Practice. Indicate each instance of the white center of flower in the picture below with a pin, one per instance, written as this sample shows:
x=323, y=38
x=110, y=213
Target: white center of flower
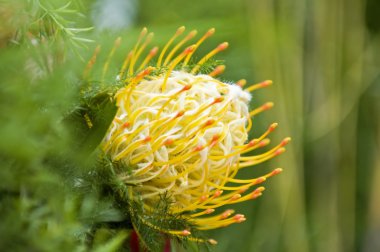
x=178, y=139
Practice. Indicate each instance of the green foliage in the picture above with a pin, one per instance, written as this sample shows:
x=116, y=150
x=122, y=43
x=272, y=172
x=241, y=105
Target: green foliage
x=43, y=155
x=116, y=240
x=90, y=120
x=51, y=20
x=33, y=22
x=37, y=213
x=58, y=192
x=45, y=159
x=149, y=225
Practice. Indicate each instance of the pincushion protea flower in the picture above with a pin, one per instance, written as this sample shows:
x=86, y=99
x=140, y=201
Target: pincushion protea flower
x=185, y=134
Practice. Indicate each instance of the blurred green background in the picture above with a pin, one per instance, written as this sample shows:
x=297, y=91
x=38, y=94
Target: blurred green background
x=324, y=59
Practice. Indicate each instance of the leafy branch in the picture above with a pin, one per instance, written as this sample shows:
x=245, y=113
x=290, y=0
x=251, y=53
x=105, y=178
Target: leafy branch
x=41, y=21
x=51, y=17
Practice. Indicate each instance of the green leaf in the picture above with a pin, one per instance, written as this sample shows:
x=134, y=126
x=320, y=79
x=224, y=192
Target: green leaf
x=76, y=30
x=83, y=39
x=114, y=244
x=90, y=122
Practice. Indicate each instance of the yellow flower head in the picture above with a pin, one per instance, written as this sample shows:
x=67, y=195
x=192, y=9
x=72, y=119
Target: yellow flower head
x=185, y=134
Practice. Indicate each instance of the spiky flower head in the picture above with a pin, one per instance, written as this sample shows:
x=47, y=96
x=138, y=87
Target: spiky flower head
x=184, y=133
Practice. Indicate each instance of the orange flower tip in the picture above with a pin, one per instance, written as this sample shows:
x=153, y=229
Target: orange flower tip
x=259, y=189
x=180, y=30
x=222, y=46
x=218, y=193
x=186, y=87
x=209, y=211
x=168, y=141
x=285, y=141
x=153, y=51
x=125, y=125
x=144, y=72
x=147, y=139
x=268, y=105
x=266, y=83
x=199, y=148
x=186, y=232
x=180, y=113
x=242, y=190
x=189, y=49
x=212, y=241
x=264, y=142
x=255, y=195
x=143, y=32
x=226, y=214
x=192, y=34
x=239, y=218
x=241, y=82
x=276, y=171
x=210, y=32
x=203, y=198
x=273, y=126
x=218, y=99
x=118, y=41
x=215, y=137
x=209, y=122
x=236, y=197
x=257, y=192
x=260, y=180
x=252, y=143
x=218, y=70
x=279, y=151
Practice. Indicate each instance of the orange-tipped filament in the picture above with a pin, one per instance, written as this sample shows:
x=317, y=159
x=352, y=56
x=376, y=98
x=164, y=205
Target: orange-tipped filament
x=262, y=108
x=112, y=52
x=241, y=83
x=218, y=49
x=162, y=54
x=217, y=71
x=259, y=85
x=175, y=49
x=199, y=42
x=91, y=62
